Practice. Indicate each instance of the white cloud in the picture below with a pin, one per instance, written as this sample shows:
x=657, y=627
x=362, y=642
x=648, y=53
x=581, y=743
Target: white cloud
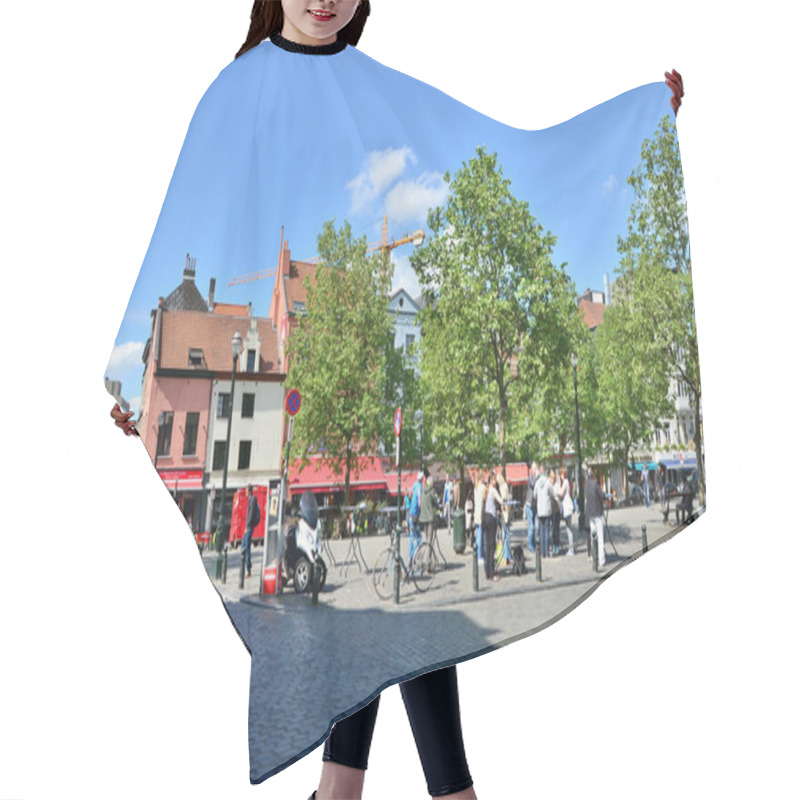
x=409, y=201
x=382, y=169
x=125, y=356
x=134, y=403
x=610, y=184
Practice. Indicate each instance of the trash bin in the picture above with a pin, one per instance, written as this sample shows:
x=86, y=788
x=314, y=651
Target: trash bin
x=459, y=531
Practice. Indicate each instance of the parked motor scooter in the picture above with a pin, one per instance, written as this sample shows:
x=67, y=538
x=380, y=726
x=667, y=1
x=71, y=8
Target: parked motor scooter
x=303, y=546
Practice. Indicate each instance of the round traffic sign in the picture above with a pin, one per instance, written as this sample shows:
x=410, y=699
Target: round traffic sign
x=293, y=402
x=398, y=422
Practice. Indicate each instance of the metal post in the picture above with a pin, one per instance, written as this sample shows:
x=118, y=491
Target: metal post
x=225, y=564
x=241, y=570
x=475, y=567
x=396, y=543
x=315, y=576
x=282, y=505
x=581, y=515
x=644, y=538
x=218, y=543
x=595, y=554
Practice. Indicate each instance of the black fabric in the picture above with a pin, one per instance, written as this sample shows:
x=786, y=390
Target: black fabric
x=433, y=710
x=308, y=49
x=489, y=531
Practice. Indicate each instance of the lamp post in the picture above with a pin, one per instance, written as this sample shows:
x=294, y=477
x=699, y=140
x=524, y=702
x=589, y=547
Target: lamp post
x=236, y=350
x=418, y=420
x=581, y=516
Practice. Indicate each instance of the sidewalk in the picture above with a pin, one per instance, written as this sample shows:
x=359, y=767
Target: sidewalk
x=349, y=585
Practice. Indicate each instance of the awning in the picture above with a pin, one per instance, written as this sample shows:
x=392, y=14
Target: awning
x=639, y=465
x=182, y=480
x=407, y=481
x=676, y=463
x=319, y=478
x=517, y=474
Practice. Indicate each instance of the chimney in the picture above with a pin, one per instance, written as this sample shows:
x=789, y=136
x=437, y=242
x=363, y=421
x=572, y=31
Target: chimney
x=211, y=286
x=607, y=289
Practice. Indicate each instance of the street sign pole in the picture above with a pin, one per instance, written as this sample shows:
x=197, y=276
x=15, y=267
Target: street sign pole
x=398, y=426
x=282, y=504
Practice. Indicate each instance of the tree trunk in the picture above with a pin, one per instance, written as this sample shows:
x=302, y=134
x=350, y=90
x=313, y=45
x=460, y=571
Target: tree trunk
x=698, y=445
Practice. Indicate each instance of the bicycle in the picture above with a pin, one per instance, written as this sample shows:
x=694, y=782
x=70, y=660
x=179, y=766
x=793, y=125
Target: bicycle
x=424, y=566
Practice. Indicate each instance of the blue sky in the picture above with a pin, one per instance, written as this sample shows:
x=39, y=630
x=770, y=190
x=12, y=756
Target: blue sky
x=372, y=141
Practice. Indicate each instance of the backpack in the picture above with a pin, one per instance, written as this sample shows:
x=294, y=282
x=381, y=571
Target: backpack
x=518, y=557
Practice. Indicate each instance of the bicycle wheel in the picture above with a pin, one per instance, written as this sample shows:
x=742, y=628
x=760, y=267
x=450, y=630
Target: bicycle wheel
x=424, y=567
x=383, y=574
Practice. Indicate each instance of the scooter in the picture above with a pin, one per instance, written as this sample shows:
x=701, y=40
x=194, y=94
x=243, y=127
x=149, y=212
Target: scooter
x=303, y=547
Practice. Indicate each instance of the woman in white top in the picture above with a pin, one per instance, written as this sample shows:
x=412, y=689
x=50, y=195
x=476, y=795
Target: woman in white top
x=564, y=496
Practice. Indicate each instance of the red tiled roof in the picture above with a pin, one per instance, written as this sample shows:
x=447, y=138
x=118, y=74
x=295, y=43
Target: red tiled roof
x=231, y=310
x=592, y=313
x=318, y=477
x=183, y=330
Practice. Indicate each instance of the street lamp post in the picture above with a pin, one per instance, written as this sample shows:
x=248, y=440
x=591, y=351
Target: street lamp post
x=236, y=350
x=581, y=516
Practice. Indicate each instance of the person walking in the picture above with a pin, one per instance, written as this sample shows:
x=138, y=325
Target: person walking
x=492, y=511
x=661, y=490
x=564, y=496
x=530, y=507
x=555, y=522
x=413, y=517
x=251, y=521
x=505, y=493
x=428, y=505
x=646, y=484
x=480, y=500
x=447, y=500
x=594, y=511
x=545, y=497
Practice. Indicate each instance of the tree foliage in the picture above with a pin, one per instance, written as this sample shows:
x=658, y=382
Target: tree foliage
x=654, y=301
x=339, y=355
x=499, y=316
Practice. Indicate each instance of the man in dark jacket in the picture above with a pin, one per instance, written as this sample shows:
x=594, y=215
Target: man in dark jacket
x=594, y=511
x=251, y=521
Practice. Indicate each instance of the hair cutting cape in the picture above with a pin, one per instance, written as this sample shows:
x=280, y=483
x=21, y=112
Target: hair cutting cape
x=538, y=246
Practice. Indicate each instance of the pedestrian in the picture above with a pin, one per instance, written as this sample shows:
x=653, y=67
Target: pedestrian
x=492, y=510
x=564, y=496
x=456, y=492
x=545, y=497
x=555, y=522
x=447, y=500
x=661, y=489
x=594, y=511
x=415, y=536
x=480, y=501
x=428, y=508
x=251, y=522
x=646, y=484
x=505, y=493
x=469, y=517
x=530, y=506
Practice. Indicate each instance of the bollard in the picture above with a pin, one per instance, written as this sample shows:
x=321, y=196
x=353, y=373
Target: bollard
x=241, y=572
x=225, y=565
x=475, y=568
x=644, y=538
x=594, y=552
x=539, y=559
x=315, y=583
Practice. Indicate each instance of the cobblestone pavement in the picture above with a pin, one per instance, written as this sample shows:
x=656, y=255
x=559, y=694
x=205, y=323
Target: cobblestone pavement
x=312, y=664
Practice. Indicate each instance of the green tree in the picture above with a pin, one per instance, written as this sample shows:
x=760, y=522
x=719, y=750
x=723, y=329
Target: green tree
x=656, y=268
x=338, y=354
x=499, y=316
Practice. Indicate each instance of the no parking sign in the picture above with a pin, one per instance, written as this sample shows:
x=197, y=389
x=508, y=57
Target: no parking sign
x=293, y=402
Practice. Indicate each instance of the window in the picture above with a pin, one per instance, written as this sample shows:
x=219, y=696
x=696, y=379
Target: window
x=218, y=462
x=299, y=307
x=223, y=405
x=244, y=455
x=248, y=405
x=164, y=433
x=667, y=436
x=409, y=341
x=251, y=360
x=190, y=433
x=196, y=357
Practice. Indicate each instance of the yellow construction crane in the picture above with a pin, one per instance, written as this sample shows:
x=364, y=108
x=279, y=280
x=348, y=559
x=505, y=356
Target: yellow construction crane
x=417, y=238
